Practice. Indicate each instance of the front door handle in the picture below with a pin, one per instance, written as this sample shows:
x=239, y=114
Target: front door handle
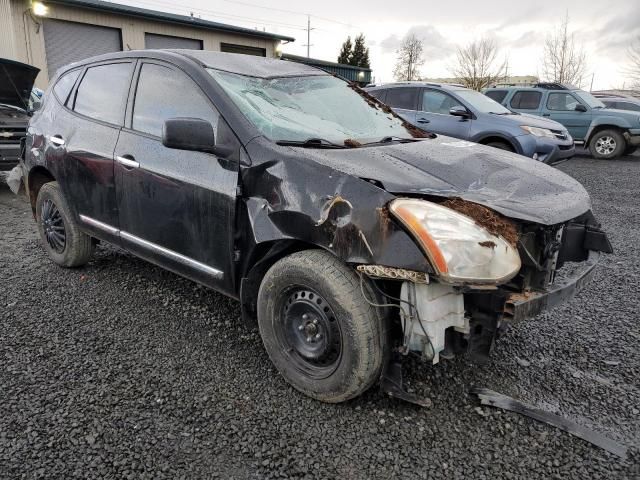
x=546, y=114
x=127, y=162
x=423, y=120
x=56, y=140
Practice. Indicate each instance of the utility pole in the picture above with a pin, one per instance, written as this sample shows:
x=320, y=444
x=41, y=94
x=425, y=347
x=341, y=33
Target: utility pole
x=308, y=44
x=592, y=76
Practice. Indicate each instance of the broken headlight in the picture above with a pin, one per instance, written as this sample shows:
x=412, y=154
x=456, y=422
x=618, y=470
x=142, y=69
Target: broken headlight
x=458, y=248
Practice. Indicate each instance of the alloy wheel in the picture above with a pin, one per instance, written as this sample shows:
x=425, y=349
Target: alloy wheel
x=53, y=226
x=606, y=145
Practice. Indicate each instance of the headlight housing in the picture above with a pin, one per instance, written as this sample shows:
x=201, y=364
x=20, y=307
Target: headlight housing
x=538, y=132
x=460, y=250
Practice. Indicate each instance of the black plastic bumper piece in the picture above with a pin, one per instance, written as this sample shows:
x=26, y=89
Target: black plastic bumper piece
x=520, y=306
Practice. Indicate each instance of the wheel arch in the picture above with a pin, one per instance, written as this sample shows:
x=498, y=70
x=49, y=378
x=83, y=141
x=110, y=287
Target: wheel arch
x=36, y=178
x=261, y=259
x=599, y=128
x=496, y=137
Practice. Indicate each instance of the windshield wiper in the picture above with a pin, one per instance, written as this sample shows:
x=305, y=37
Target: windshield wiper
x=390, y=139
x=311, y=143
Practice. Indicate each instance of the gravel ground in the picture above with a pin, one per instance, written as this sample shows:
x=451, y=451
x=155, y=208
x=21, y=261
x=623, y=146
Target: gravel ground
x=123, y=370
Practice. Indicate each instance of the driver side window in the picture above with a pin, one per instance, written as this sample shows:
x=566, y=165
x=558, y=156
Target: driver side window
x=434, y=101
x=164, y=93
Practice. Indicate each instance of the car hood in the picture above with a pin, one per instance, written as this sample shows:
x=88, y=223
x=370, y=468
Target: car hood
x=530, y=120
x=614, y=112
x=516, y=186
x=16, y=82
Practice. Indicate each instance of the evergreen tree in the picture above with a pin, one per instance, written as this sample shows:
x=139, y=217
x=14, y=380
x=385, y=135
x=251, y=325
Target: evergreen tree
x=346, y=52
x=360, y=55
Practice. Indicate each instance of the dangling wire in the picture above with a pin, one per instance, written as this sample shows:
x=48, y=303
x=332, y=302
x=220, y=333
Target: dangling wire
x=403, y=313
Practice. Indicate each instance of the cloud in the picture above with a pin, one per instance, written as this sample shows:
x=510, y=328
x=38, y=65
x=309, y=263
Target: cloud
x=436, y=45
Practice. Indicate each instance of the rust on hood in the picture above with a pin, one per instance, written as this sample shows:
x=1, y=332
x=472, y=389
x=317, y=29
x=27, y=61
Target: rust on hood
x=487, y=218
x=350, y=142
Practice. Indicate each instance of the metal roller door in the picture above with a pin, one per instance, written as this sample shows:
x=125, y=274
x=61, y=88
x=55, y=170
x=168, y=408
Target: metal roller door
x=153, y=40
x=67, y=42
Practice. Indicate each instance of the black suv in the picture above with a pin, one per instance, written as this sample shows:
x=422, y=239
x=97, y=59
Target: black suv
x=349, y=237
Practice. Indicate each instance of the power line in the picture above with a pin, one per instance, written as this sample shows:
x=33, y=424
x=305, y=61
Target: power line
x=210, y=13
x=247, y=4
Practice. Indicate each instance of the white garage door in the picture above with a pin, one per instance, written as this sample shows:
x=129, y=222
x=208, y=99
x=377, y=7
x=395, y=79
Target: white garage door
x=153, y=40
x=67, y=42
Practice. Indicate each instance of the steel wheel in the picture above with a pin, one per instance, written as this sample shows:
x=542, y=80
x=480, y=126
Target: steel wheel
x=606, y=145
x=309, y=333
x=53, y=225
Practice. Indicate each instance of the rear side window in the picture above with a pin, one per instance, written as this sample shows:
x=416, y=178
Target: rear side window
x=102, y=92
x=497, y=95
x=165, y=93
x=406, y=98
x=627, y=106
x=379, y=94
x=64, y=85
x=434, y=101
x=561, y=101
x=524, y=100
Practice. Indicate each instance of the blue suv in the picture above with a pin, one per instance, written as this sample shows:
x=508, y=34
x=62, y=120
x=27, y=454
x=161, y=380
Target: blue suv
x=609, y=133
x=459, y=112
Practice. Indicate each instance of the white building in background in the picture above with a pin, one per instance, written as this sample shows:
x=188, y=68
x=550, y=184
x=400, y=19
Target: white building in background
x=51, y=33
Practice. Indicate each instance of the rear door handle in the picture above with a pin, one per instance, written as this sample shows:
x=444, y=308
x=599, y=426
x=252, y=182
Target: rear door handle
x=128, y=162
x=56, y=140
x=423, y=120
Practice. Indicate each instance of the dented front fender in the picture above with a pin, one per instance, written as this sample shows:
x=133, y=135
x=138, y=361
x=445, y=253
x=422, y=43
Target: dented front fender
x=290, y=198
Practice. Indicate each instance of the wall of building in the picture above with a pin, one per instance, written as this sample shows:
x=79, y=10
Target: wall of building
x=30, y=48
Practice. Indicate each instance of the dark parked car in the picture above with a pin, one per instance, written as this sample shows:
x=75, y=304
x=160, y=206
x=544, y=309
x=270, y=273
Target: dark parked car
x=16, y=82
x=607, y=132
x=347, y=237
x=620, y=102
x=469, y=115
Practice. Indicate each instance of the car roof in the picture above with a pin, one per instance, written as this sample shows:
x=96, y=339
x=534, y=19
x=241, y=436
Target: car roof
x=249, y=65
x=537, y=88
x=444, y=86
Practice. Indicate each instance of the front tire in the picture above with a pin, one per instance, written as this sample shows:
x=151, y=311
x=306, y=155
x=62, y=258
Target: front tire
x=500, y=146
x=318, y=329
x=61, y=237
x=607, y=145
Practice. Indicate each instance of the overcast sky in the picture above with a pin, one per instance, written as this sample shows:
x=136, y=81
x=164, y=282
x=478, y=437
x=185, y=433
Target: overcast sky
x=605, y=29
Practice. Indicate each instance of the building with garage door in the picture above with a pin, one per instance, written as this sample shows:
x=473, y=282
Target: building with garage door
x=52, y=33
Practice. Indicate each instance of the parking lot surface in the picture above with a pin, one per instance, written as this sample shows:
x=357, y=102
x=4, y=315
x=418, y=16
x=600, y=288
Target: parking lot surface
x=123, y=370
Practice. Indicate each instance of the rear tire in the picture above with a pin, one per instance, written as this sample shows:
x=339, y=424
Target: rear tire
x=607, y=145
x=500, y=146
x=61, y=237
x=318, y=329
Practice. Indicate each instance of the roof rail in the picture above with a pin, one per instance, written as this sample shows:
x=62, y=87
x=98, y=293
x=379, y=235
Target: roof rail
x=553, y=86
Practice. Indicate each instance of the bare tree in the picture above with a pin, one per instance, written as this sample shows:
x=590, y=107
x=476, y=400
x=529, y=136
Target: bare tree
x=477, y=65
x=634, y=61
x=410, y=59
x=563, y=60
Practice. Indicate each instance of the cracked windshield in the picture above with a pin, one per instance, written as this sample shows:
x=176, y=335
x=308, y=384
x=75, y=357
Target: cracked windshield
x=299, y=108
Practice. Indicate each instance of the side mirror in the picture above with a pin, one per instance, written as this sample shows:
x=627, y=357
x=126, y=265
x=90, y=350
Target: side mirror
x=459, y=111
x=192, y=134
x=580, y=108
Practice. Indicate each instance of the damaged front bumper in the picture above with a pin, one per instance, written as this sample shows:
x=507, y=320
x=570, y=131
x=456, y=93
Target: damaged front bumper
x=520, y=306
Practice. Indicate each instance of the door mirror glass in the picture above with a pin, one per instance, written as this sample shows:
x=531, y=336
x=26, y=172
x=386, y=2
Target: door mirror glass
x=459, y=111
x=188, y=134
x=580, y=108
